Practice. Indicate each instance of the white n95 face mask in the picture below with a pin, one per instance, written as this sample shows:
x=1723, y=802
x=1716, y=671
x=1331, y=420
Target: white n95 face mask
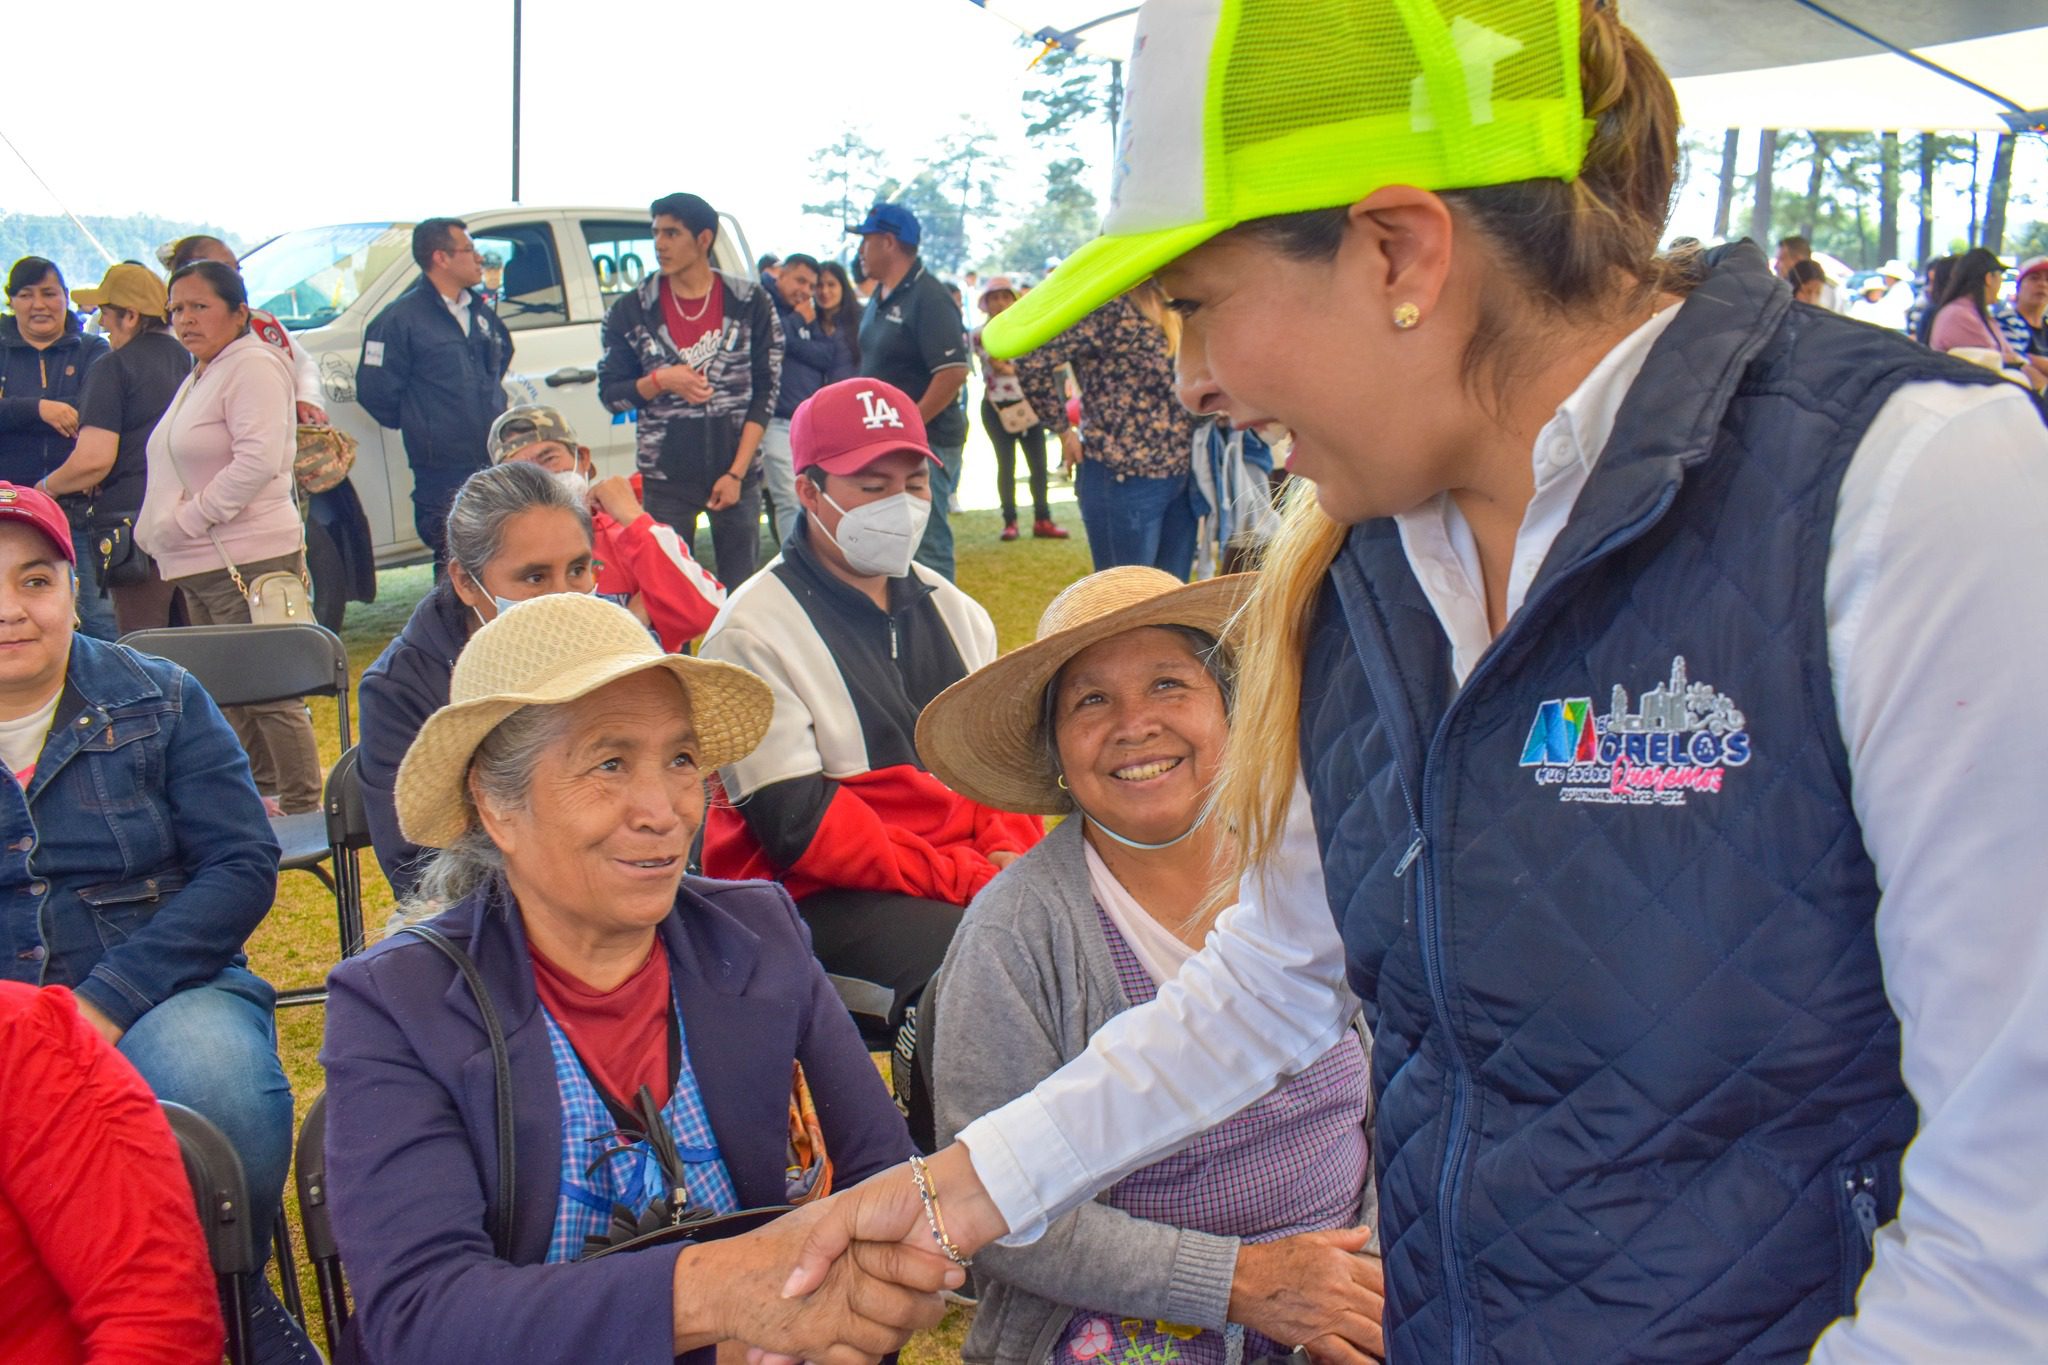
x=881, y=537
x=574, y=481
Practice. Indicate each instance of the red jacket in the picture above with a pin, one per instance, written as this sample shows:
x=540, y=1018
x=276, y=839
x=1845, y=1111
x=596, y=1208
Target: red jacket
x=101, y=1257
x=650, y=559
x=895, y=829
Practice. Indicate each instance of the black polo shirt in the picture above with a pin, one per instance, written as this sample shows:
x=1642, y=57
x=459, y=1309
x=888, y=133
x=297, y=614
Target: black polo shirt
x=907, y=336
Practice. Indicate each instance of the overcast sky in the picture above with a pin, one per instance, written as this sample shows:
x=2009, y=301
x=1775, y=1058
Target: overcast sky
x=282, y=113
x=273, y=114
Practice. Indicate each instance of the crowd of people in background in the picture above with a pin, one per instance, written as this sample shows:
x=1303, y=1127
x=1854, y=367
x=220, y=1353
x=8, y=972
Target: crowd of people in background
x=647, y=817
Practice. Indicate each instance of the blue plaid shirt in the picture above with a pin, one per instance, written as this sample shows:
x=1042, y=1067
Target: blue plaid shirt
x=584, y=1206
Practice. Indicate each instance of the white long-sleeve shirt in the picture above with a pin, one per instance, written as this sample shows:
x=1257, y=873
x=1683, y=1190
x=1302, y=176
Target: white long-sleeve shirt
x=1937, y=628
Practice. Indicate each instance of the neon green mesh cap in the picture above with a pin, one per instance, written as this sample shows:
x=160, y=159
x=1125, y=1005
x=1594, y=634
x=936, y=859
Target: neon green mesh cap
x=1238, y=109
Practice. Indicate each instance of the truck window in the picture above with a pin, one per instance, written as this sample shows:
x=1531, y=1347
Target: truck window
x=309, y=277
x=522, y=275
x=623, y=255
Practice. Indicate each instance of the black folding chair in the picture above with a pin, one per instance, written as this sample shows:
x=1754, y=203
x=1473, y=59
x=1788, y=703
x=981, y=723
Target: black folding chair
x=221, y=1194
x=348, y=834
x=247, y=665
x=310, y=1169
x=870, y=1005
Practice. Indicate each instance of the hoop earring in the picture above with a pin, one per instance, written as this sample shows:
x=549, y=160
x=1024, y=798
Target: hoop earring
x=1406, y=316
x=1060, y=781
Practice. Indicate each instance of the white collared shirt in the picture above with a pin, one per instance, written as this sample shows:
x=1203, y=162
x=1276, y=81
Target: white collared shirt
x=458, y=308
x=1937, y=627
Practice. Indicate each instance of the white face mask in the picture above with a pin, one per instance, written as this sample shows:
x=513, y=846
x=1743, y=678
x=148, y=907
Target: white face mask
x=880, y=537
x=575, y=481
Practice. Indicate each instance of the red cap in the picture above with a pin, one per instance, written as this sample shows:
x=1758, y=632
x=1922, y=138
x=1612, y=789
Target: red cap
x=845, y=427
x=41, y=511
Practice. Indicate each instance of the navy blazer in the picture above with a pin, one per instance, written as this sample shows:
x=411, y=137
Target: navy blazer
x=411, y=1126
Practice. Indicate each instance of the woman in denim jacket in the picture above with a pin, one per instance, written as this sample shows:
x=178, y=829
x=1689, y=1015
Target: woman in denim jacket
x=135, y=859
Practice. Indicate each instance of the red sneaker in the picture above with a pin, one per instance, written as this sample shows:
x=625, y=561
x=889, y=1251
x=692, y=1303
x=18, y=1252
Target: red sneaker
x=1048, y=530
x=1010, y=531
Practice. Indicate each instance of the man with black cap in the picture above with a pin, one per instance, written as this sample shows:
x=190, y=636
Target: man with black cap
x=912, y=336
x=699, y=353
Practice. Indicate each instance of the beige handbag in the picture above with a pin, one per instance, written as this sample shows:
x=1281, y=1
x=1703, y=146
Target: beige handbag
x=278, y=598
x=1017, y=418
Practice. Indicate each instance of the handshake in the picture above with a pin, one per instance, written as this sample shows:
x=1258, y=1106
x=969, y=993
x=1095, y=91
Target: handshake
x=867, y=1276
x=868, y=1271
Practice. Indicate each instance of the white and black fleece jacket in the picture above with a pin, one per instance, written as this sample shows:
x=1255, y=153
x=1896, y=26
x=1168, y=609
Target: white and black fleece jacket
x=682, y=444
x=835, y=796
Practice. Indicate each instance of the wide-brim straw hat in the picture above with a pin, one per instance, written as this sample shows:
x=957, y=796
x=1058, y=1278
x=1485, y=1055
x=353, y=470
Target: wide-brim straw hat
x=983, y=735
x=543, y=652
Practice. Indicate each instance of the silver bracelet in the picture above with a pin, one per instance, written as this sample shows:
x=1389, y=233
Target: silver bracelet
x=932, y=1219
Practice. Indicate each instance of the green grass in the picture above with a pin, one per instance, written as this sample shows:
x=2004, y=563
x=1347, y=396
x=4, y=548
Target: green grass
x=298, y=942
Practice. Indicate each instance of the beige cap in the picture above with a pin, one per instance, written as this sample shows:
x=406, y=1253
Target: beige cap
x=543, y=652
x=127, y=286
x=981, y=736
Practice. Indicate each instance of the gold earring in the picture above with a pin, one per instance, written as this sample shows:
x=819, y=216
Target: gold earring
x=1406, y=316
x=1060, y=781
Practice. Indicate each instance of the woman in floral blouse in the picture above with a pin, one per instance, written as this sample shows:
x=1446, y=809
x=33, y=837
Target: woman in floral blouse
x=1133, y=443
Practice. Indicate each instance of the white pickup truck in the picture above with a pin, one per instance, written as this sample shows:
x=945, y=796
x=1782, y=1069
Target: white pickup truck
x=553, y=271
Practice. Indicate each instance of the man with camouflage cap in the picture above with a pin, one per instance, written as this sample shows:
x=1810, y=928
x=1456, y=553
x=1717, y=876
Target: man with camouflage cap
x=642, y=563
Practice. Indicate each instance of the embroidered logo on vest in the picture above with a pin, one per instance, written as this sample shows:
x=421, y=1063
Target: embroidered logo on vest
x=1682, y=737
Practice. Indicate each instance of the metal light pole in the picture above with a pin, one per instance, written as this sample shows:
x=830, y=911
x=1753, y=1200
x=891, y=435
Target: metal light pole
x=515, y=100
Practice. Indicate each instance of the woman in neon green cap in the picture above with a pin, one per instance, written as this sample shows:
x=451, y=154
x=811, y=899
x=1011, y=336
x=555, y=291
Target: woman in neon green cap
x=1625, y=721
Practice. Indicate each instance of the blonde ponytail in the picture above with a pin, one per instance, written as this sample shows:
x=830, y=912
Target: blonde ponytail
x=1270, y=644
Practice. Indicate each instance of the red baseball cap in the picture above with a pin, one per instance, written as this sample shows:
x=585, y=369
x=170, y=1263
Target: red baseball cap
x=41, y=511
x=845, y=427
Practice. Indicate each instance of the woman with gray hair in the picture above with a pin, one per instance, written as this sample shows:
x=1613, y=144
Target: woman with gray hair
x=567, y=1118
x=514, y=532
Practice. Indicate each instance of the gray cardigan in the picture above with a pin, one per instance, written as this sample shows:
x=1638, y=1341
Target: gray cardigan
x=1027, y=981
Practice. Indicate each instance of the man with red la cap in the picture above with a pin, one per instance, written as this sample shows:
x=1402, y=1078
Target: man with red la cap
x=854, y=639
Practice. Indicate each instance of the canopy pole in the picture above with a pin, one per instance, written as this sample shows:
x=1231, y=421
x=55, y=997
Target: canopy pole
x=515, y=100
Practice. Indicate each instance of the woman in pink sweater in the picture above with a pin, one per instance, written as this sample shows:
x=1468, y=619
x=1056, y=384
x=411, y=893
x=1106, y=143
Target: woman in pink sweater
x=219, y=502
x=1963, y=317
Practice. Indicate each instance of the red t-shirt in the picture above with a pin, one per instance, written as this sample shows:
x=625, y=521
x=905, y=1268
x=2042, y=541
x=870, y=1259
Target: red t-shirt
x=695, y=326
x=101, y=1257
x=621, y=1034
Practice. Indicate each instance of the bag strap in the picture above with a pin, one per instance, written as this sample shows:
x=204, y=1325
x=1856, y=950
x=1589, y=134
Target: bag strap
x=234, y=574
x=501, y=1066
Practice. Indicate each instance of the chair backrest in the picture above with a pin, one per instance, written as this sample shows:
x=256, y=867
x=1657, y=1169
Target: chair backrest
x=310, y=1170
x=244, y=665
x=220, y=1191
x=870, y=1005
x=348, y=819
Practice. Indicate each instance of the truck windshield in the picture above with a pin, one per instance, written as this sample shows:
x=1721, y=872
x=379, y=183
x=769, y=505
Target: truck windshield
x=308, y=277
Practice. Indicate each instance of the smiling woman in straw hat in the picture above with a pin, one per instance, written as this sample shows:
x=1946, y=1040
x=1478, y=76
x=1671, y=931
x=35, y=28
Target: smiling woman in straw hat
x=587, y=1042
x=1623, y=696
x=1119, y=715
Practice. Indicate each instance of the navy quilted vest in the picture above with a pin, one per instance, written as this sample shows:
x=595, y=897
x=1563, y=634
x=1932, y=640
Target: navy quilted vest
x=1608, y=904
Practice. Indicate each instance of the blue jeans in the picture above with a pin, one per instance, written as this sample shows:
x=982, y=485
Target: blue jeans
x=213, y=1048
x=1136, y=520
x=778, y=477
x=95, y=613
x=935, y=552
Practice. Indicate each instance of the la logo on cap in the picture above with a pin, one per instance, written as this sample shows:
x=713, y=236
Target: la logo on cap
x=880, y=412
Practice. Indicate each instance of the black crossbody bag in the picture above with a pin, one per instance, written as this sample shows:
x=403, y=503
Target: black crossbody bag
x=659, y=1225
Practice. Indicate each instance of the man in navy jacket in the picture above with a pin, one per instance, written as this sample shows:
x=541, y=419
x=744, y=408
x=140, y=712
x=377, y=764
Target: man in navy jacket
x=808, y=355
x=433, y=366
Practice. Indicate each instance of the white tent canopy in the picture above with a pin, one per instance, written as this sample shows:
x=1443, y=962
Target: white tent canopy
x=1761, y=63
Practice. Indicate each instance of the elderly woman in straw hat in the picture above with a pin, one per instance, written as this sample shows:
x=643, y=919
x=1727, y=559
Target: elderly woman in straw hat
x=1118, y=716
x=587, y=1043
